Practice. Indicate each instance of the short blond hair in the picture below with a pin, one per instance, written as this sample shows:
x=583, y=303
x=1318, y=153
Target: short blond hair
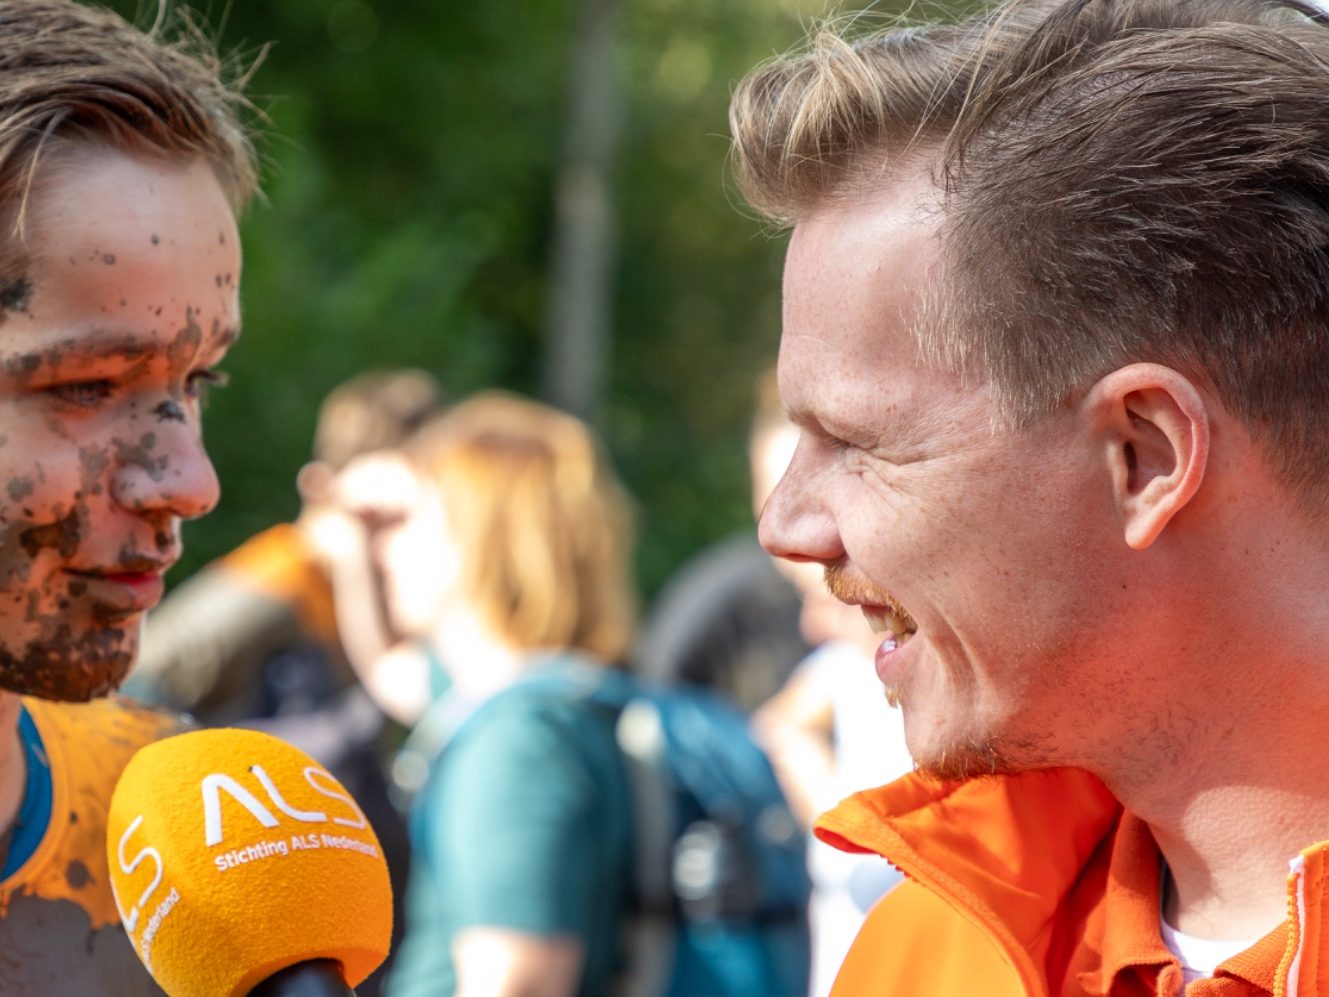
x=542, y=523
x=1119, y=181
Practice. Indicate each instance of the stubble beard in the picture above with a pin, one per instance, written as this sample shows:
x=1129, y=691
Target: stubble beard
x=965, y=759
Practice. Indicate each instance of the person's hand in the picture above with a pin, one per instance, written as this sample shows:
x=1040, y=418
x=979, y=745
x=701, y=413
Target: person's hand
x=376, y=488
x=333, y=535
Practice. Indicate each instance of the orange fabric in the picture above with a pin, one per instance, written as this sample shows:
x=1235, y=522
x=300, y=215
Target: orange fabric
x=277, y=563
x=87, y=744
x=1313, y=969
x=1038, y=884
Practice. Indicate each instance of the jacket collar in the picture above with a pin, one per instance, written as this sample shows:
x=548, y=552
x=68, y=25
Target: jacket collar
x=1006, y=851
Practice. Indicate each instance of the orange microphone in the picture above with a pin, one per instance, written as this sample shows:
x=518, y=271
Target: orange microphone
x=241, y=866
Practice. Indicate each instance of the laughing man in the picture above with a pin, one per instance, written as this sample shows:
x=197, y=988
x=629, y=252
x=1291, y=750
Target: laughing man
x=1056, y=333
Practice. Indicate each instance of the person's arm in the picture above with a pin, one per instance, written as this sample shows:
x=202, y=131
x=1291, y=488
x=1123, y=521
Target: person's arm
x=498, y=962
x=520, y=843
x=794, y=727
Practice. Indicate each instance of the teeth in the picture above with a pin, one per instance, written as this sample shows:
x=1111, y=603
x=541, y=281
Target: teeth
x=884, y=620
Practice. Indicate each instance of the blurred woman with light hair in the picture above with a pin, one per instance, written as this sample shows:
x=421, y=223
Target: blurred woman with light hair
x=504, y=539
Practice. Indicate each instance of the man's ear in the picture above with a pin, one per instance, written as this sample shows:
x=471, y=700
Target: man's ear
x=1154, y=427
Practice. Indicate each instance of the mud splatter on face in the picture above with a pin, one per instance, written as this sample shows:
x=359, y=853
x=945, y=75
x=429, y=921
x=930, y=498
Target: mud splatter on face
x=156, y=239
x=169, y=411
x=16, y=295
x=19, y=488
x=63, y=536
x=108, y=259
x=93, y=462
x=140, y=453
x=184, y=347
x=22, y=367
x=72, y=668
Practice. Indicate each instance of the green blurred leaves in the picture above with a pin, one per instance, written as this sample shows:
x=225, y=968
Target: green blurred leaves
x=409, y=171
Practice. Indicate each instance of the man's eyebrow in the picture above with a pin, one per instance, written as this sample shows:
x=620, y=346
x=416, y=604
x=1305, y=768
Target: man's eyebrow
x=106, y=343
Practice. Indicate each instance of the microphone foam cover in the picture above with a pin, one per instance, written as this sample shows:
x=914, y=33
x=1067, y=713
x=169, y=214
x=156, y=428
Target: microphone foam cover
x=234, y=855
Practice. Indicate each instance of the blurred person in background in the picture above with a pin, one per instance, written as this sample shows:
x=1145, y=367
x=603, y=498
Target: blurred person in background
x=254, y=633
x=829, y=731
x=726, y=620
x=124, y=161
x=504, y=538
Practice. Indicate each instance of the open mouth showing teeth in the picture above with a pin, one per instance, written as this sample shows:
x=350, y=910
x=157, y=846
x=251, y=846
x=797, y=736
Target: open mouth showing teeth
x=895, y=624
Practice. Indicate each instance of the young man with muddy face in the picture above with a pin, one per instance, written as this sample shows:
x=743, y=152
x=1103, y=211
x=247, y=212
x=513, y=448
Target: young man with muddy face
x=122, y=165
x=1056, y=333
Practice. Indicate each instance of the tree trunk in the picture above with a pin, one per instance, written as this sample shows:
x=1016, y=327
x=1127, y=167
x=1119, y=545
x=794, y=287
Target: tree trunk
x=578, y=341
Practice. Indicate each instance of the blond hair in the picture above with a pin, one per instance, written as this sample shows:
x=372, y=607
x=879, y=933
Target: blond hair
x=542, y=524
x=77, y=74
x=1120, y=180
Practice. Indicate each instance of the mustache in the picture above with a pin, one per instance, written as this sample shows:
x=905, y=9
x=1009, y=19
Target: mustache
x=853, y=589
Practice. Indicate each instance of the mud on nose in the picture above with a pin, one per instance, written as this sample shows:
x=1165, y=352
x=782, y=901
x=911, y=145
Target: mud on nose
x=167, y=470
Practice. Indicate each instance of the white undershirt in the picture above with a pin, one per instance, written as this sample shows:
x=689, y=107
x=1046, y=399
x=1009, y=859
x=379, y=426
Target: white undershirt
x=1199, y=957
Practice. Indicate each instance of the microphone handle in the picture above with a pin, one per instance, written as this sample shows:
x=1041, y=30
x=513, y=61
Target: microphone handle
x=315, y=978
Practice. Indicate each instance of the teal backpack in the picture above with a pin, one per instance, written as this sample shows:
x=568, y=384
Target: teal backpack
x=720, y=892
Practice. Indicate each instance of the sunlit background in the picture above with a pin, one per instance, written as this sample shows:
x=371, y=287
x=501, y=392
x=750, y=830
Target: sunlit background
x=529, y=195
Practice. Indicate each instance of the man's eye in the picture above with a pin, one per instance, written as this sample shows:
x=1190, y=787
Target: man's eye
x=82, y=393
x=202, y=382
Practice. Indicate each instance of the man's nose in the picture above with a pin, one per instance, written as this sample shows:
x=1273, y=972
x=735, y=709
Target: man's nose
x=165, y=470
x=797, y=522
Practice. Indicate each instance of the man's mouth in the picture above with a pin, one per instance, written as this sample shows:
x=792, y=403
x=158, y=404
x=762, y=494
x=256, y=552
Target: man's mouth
x=127, y=587
x=896, y=626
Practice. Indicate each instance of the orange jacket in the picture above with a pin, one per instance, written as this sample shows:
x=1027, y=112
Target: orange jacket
x=1040, y=884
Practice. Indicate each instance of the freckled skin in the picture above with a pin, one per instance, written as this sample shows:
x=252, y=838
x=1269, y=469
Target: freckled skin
x=99, y=374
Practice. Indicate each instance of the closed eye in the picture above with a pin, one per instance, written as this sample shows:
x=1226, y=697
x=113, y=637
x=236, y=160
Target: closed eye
x=83, y=394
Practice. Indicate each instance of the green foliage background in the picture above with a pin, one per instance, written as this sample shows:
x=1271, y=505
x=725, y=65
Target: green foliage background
x=407, y=219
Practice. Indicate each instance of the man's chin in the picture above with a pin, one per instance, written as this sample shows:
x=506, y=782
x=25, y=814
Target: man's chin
x=963, y=761
x=69, y=669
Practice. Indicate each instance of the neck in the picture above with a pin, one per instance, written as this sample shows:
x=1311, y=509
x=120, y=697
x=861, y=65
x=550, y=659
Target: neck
x=1240, y=800
x=479, y=661
x=1221, y=760
x=13, y=767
